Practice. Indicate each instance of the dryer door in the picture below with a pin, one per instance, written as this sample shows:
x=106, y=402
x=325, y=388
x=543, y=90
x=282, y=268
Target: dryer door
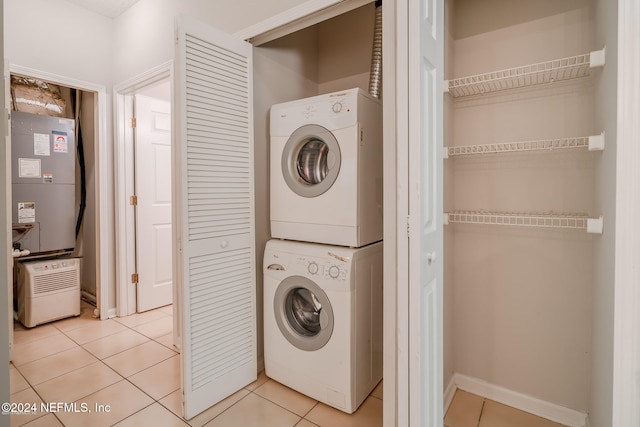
x=303, y=313
x=311, y=160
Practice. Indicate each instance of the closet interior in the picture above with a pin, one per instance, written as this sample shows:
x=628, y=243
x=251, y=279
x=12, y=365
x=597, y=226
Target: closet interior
x=332, y=55
x=529, y=184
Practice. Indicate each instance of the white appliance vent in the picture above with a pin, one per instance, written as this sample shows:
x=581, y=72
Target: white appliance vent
x=55, y=281
x=47, y=290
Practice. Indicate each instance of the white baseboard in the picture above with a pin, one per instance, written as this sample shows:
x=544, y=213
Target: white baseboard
x=449, y=392
x=541, y=408
x=88, y=297
x=111, y=313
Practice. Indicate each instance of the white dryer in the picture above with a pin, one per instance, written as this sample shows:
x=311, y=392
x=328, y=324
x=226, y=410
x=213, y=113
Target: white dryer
x=323, y=320
x=326, y=169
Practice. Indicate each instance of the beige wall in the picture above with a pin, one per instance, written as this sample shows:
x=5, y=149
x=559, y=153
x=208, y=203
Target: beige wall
x=521, y=299
x=89, y=231
x=60, y=38
x=143, y=35
x=344, y=50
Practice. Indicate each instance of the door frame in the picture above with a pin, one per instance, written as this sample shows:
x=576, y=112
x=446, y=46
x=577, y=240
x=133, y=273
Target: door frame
x=103, y=229
x=626, y=310
x=124, y=183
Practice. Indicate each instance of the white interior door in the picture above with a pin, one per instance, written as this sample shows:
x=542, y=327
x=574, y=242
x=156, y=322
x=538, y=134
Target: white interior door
x=214, y=213
x=426, y=18
x=153, y=211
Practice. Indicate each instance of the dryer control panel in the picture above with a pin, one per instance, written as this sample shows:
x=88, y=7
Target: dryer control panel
x=333, y=111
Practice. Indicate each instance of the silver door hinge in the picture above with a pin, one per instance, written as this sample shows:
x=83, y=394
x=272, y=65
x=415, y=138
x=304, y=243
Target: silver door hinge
x=408, y=226
x=134, y=278
x=134, y=122
x=133, y=200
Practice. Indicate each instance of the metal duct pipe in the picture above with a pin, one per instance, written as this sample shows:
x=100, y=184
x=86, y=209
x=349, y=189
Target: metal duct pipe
x=375, y=77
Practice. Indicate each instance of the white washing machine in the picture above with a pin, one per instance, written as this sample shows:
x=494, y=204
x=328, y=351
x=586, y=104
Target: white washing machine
x=323, y=320
x=326, y=169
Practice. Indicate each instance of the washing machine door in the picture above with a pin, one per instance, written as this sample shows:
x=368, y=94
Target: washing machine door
x=311, y=160
x=303, y=313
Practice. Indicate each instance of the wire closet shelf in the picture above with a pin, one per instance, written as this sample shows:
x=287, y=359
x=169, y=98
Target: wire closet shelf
x=568, y=68
x=592, y=143
x=521, y=219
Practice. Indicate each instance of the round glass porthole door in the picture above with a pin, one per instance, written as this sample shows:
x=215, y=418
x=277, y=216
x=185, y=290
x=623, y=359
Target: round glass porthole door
x=303, y=313
x=311, y=160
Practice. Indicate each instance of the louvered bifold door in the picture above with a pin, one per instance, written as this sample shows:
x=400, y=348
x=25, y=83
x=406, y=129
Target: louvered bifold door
x=214, y=207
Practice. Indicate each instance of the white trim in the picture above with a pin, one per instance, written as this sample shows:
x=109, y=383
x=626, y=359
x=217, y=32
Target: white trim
x=124, y=252
x=297, y=18
x=449, y=393
x=397, y=224
x=390, y=183
x=123, y=179
x=141, y=81
x=88, y=297
x=103, y=205
x=535, y=406
x=626, y=344
x=103, y=281
x=55, y=78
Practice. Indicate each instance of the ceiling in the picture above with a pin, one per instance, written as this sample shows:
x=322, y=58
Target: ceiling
x=109, y=8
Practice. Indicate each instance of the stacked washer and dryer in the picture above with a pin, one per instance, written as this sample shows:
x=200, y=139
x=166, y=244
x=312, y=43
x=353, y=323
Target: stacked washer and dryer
x=323, y=270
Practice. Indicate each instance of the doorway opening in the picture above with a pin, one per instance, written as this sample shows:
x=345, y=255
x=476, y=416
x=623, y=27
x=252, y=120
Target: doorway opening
x=143, y=195
x=38, y=97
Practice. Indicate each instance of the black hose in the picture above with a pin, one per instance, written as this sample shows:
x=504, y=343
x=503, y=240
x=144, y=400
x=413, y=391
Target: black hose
x=83, y=178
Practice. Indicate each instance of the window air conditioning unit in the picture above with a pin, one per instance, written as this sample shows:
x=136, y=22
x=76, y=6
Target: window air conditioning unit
x=48, y=290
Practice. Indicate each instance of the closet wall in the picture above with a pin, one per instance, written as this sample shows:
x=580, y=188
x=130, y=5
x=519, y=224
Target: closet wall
x=520, y=301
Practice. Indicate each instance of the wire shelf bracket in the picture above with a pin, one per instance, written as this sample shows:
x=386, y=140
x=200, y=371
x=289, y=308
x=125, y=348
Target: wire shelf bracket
x=540, y=220
x=528, y=75
x=593, y=143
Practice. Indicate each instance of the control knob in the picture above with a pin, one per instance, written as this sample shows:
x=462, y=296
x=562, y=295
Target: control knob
x=337, y=107
x=334, y=272
x=312, y=267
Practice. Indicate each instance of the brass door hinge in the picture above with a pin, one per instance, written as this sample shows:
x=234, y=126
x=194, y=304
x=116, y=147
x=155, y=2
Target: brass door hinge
x=133, y=200
x=134, y=278
x=133, y=122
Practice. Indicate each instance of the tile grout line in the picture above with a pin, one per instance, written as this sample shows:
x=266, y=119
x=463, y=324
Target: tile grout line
x=226, y=409
x=122, y=377
x=277, y=404
x=481, y=411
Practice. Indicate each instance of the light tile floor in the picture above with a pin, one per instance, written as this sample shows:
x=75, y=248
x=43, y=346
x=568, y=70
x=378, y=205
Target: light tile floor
x=470, y=410
x=131, y=365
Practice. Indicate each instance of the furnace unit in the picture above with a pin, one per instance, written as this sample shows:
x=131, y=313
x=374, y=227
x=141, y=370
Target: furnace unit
x=43, y=182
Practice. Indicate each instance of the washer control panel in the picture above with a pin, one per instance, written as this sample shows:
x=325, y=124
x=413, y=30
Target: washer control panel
x=327, y=269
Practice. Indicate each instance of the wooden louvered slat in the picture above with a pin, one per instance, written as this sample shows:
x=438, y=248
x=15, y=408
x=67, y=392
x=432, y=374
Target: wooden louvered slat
x=221, y=285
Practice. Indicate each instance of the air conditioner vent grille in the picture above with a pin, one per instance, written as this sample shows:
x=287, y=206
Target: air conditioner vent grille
x=55, y=282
